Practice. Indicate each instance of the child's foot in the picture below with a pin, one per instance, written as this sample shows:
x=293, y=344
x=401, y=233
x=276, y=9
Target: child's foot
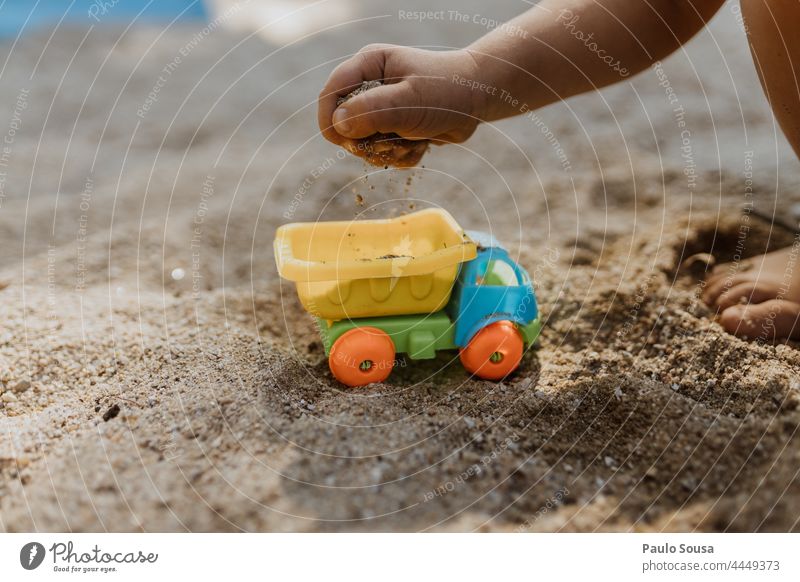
x=758, y=298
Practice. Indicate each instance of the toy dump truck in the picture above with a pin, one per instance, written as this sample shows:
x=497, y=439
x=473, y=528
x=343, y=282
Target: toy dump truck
x=410, y=285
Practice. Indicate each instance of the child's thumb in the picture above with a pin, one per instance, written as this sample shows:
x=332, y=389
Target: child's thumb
x=385, y=109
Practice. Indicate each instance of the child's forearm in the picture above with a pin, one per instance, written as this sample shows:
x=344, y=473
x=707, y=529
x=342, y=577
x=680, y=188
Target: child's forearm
x=564, y=47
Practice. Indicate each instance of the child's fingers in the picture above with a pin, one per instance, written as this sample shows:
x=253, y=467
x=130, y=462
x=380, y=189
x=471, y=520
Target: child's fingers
x=367, y=65
x=386, y=109
x=458, y=134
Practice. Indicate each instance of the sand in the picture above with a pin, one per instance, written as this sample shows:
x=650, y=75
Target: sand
x=156, y=376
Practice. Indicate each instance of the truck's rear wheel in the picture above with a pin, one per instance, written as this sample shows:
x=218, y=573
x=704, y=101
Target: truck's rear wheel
x=362, y=356
x=494, y=352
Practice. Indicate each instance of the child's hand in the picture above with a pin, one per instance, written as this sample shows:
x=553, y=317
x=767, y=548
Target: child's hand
x=421, y=97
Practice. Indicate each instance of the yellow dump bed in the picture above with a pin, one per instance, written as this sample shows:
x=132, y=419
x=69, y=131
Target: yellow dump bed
x=371, y=268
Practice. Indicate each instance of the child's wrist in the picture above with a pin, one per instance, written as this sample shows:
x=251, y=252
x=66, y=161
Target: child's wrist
x=496, y=78
x=480, y=87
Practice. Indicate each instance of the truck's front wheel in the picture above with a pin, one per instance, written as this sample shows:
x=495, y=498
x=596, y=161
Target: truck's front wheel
x=362, y=356
x=494, y=352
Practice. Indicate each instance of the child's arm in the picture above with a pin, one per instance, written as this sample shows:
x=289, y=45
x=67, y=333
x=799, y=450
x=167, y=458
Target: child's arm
x=578, y=45
x=556, y=50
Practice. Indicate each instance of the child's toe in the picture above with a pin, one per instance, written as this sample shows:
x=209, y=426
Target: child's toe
x=747, y=292
x=768, y=320
x=716, y=286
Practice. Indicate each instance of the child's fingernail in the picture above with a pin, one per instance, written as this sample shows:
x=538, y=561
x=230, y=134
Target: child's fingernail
x=340, y=121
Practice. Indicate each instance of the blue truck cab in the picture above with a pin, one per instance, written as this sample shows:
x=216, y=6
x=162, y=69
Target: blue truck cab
x=492, y=287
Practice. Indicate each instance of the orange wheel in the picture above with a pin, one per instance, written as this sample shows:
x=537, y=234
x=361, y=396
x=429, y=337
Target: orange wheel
x=362, y=356
x=494, y=352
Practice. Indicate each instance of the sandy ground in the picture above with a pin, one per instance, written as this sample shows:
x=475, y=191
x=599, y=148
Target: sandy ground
x=155, y=374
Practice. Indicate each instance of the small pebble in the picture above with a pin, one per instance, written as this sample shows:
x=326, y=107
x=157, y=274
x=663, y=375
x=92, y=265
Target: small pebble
x=21, y=386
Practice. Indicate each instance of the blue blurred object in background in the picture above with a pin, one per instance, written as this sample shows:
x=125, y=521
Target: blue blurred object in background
x=26, y=15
